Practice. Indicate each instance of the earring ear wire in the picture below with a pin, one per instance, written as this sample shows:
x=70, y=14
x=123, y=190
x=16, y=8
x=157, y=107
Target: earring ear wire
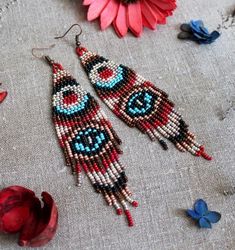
x=78, y=43
x=47, y=58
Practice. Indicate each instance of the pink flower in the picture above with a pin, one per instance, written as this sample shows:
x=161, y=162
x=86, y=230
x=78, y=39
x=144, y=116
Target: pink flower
x=130, y=15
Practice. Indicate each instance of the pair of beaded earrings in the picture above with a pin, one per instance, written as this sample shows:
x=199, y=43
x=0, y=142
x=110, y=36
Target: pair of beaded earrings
x=87, y=137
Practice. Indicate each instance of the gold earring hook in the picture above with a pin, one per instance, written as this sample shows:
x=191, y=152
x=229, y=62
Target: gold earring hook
x=76, y=37
x=47, y=58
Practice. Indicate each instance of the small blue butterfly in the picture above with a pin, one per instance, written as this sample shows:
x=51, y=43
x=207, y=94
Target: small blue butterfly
x=202, y=215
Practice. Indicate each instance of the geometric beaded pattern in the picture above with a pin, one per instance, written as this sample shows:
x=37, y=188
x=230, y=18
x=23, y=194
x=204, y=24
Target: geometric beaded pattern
x=138, y=102
x=89, y=141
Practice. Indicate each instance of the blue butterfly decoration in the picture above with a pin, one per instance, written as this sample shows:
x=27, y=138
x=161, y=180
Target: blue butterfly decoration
x=202, y=215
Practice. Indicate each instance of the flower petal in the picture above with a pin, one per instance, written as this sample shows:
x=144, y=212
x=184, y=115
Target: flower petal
x=135, y=18
x=200, y=207
x=191, y=213
x=13, y=220
x=204, y=223
x=120, y=23
x=4, y=197
x=204, y=30
x=213, y=216
x=3, y=95
x=198, y=27
x=15, y=202
x=215, y=34
x=14, y=196
x=186, y=27
x=145, y=23
x=20, y=190
x=148, y=14
x=95, y=9
x=160, y=17
x=108, y=14
x=196, y=24
x=41, y=227
x=164, y=5
x=185, y=35
x=200, y=36
x=88, y=2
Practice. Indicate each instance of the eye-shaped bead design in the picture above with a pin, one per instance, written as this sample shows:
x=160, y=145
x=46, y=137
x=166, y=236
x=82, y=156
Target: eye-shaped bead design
x=89, y=141
x=138, y=102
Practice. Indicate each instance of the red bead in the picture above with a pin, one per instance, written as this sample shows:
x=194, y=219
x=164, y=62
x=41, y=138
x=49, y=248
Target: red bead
x=135, y=204
x=119, y=211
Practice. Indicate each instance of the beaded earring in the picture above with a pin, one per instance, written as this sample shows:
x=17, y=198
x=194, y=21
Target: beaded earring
x=88, y=140
x=137, y=101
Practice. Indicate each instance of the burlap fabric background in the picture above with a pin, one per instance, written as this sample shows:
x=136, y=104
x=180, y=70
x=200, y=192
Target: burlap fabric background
x=199, y=79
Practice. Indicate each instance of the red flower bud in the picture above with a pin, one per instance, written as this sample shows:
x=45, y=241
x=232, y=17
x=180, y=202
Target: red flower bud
x=21, y=211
